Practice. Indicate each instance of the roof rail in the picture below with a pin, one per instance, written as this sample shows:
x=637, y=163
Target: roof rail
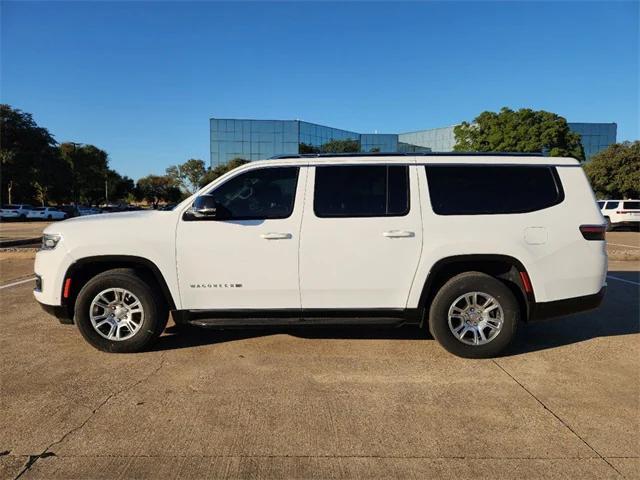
x=410, y=154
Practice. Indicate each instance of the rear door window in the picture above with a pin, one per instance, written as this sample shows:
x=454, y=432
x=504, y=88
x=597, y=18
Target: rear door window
x=492, y=189
x=631, y=205
x=361, y=191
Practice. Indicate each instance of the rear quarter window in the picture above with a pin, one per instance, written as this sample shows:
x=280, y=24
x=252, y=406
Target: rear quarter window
x=631, y=205
x=492, y=189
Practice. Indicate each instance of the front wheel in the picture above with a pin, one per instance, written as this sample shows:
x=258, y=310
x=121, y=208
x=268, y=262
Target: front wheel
x=474, y=315
x=118, y=311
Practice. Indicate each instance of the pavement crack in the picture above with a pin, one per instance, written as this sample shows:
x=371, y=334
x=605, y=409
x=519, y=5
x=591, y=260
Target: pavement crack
x=47, y=453
x=566, y=425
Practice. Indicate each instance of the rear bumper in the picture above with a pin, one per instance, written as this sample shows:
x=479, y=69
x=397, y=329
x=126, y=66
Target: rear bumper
x=567, y=306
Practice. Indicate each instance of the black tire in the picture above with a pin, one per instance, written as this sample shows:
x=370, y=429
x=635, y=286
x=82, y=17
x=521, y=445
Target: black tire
x=156, y=313
x=473, y=282
x=49, y=217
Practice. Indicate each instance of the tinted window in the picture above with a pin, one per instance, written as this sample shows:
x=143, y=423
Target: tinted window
x=611, y=205
x=601, y=204
x=631, y=205
x=259, y=194
x=477, y=190
x=361, y=191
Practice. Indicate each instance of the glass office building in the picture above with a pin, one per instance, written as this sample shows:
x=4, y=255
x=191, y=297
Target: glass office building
x=260, y=139
x=595, y=137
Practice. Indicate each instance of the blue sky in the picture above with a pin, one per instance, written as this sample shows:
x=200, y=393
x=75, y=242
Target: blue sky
x=141, y=79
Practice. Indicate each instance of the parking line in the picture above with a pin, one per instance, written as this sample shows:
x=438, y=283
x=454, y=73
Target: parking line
x=622, y=245
x=623, y=280
x=17, y=283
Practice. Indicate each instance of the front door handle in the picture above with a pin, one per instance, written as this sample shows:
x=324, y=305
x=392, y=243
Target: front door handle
x=276, y=236
x=398, y=234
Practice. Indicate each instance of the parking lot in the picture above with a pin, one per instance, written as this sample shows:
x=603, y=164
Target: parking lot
x=373, y=402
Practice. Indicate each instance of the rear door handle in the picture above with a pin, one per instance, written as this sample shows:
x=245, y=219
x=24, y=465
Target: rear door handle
x=398, y=234
x=276, y=236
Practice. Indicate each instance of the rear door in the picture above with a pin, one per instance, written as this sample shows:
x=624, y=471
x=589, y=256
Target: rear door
x=361, y=236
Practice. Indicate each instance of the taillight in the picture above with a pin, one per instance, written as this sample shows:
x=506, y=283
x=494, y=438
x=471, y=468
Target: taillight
x=593, y=232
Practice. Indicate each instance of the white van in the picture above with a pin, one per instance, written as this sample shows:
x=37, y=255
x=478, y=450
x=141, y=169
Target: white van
x=468, y=246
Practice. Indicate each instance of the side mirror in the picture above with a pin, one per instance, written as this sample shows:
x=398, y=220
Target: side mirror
x=205, y=207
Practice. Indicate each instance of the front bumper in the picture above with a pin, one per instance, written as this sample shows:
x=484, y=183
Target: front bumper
x=567, y=306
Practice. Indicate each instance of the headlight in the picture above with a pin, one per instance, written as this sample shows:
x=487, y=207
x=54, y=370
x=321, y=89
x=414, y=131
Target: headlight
x=50, y=240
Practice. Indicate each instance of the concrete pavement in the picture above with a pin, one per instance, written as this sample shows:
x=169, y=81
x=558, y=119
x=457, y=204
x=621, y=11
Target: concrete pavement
x=322, y=402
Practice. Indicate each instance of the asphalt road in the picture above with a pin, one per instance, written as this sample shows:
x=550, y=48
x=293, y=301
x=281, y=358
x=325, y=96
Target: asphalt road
x=323, y=402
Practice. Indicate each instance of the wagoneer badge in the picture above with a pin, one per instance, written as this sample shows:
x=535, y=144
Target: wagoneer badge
x=216, y=285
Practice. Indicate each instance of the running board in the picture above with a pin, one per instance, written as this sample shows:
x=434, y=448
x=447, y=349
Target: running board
x=252, y=318
x=287, y=322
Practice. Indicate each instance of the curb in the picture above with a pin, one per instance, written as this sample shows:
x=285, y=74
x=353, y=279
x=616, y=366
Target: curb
x=22, y=241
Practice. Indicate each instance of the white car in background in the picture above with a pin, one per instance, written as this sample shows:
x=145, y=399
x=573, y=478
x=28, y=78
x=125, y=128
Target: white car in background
x=83, y=211
x=20, y=210
x=620, y=213
x=46, y=213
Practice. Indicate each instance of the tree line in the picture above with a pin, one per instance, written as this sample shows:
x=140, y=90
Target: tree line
x=36, y=169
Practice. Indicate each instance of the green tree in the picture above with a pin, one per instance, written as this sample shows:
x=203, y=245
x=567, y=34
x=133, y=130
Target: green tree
x=188, y=175
x=213, y=173
x=119, y=187
x=615, y=171
x=89, y=166
x=524, y=130
x=30, y=163
x=158, y=188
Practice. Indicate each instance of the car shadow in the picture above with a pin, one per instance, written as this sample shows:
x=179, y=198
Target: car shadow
x=618, y=315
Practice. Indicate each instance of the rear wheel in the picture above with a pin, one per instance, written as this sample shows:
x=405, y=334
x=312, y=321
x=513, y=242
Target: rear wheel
x=474, y=315
x=117, y=311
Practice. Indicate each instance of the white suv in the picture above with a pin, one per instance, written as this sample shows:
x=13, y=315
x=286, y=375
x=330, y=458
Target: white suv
x=467, y=246
x=618, y=213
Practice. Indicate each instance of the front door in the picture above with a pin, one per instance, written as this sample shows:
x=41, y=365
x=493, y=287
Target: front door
x=249, y=258
x=361, y=237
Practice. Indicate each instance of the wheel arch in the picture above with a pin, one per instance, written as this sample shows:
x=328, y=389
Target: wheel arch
x=506, y=268
x=82, y=270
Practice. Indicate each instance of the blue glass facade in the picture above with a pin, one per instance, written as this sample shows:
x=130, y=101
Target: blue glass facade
x=260, y=139
x=595, y=137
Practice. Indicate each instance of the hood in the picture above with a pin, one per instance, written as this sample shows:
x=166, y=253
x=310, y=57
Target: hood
x=106, y=220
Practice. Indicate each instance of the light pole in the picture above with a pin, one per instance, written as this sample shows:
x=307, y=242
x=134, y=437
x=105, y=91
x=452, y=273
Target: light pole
x=73, y=166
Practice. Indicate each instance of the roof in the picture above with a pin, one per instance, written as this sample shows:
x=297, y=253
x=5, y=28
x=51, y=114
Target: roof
x=409, y=154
